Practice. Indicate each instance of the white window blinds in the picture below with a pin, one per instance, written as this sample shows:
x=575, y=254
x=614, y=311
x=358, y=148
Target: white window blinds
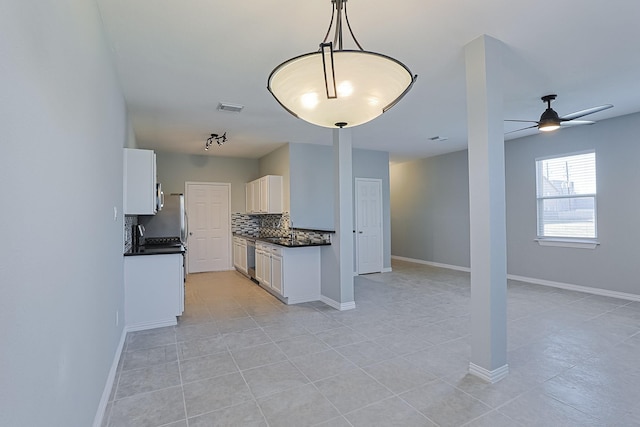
x=566, y=196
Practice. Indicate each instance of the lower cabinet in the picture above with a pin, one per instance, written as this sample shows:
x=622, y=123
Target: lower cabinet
x=240, y=254
x=276, y=274
x=153, y=290
x=292, y=274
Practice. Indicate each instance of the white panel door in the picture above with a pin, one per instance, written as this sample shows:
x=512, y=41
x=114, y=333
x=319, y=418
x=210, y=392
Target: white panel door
x=209, y=243
x=368, y=225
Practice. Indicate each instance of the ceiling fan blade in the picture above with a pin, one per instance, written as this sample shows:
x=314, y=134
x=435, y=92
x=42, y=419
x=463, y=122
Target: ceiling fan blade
x=518, y=130
x=522, y=121
x=583, y=113
x=576, y=123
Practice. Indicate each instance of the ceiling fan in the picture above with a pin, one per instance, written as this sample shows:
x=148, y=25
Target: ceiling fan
x=550, y=121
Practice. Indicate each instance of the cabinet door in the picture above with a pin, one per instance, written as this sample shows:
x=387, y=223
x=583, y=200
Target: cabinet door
x=259, y=264
x=248, y=188
x=236, y=254
x=243, y=258
x=139, y=182
x=276, y=274
x=255, y=194
x=266, y=277
x=264, y=194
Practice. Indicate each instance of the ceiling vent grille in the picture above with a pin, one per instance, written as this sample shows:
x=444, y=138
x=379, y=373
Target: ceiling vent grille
x=232, y=108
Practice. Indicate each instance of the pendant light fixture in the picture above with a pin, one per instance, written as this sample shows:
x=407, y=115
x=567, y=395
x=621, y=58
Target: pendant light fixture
x=336, y=87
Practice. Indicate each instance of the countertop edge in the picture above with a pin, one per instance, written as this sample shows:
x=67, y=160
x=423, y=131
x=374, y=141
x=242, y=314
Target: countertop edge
x=266, y=240
x=157, y=251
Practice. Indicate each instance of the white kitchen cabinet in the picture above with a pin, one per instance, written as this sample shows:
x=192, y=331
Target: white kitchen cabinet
x=292, y=274
x=140, y=191
x=255, y=196
x=240, y=254
x=276, y=273
x=260, y=260
x=248, y=188
x=263, y=264
x=264, y=195
x=153, y=290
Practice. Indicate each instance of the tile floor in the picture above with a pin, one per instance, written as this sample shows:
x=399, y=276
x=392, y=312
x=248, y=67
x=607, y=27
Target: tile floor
x=241, y=358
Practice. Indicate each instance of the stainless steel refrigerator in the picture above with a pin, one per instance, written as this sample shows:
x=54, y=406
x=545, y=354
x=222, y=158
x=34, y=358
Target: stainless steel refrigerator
x=170, y=222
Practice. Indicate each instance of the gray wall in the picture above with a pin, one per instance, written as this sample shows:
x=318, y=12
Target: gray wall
x=312, y=198
x=311, y=186
x=375, y=164
x=277, y=163
x=614, y=263
x=430, y=211
x=64, y=125
x=174, y=169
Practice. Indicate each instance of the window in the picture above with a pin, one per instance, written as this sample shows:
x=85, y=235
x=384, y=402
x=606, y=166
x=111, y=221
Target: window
x=566, y=197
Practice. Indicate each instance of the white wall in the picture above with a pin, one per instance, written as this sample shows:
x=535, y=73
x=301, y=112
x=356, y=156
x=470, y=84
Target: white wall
x=430, y=208
x=63, y=125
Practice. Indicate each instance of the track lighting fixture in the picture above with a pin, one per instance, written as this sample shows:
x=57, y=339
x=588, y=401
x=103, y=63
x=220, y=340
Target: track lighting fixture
x=218, y=139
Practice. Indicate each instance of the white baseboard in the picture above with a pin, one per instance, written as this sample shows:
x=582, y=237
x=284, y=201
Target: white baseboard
x=301, y=299
x=151, y=325
x=433, y=264
x=338, y=305
x=578, y=288
x=102, y=406
x=532, y=280
x=487, y=375
x=384, y=270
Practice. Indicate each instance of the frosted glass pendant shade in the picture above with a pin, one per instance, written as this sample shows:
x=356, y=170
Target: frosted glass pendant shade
x=358, y=87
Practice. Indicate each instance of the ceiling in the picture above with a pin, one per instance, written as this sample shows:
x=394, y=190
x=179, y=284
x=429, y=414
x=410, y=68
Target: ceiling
x=178, y=59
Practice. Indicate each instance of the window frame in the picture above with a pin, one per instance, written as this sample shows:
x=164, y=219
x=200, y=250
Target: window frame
x=565, y=241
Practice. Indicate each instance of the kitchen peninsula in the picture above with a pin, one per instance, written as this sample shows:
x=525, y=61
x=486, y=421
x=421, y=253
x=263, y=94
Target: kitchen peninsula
x=288, y=267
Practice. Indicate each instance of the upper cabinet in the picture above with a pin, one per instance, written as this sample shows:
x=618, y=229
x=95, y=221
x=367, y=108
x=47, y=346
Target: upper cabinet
x=264, y=195
x=141, y=191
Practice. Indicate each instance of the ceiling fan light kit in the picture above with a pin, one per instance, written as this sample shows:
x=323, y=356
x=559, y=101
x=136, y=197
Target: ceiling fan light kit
x=550, y=121
x=336, y=87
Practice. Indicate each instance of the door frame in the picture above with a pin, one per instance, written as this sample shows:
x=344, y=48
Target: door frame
x=355, y=223
x=186, y=202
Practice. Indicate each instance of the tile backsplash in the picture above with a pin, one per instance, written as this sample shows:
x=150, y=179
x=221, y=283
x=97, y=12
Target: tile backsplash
x=129, y=222
x=272, y=225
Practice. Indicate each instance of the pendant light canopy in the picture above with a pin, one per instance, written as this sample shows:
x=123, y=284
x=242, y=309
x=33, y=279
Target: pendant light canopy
x=334, y=87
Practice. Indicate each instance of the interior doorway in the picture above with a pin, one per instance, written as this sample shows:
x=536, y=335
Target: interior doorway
x=368, y=225
x=209, y=242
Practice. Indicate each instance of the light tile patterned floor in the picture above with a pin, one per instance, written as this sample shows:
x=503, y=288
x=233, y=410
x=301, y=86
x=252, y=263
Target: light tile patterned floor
x=239, y=357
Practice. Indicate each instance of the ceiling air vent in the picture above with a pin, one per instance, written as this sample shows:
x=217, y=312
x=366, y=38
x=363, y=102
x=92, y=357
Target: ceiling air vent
x=438, y=138
x=232, y=108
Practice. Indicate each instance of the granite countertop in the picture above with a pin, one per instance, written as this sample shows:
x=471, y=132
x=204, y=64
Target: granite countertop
x=156, y=250
x=283, y=241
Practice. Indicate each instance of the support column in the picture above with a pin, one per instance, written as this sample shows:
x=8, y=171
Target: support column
x=487, y=209
x=337, y=259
